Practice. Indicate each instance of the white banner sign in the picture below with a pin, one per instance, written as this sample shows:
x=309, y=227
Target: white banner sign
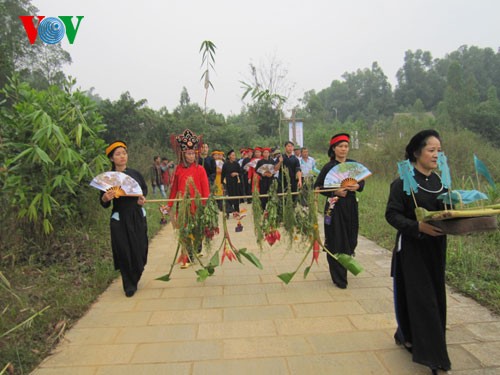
x=296, y=133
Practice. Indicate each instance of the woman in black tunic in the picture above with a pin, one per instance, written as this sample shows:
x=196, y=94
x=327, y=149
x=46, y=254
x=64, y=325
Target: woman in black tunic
x=341, y=211
x=266, y=179
x=128, y=225
x=418, y=263
x=231, y=171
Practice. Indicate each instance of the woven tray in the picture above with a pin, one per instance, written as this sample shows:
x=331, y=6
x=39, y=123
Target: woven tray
x=467, y=225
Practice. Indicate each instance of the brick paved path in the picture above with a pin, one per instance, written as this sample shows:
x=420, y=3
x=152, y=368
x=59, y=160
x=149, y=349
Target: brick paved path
x=246, y=321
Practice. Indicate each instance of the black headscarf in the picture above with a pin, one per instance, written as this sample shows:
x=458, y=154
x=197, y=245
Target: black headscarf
x=418, y=142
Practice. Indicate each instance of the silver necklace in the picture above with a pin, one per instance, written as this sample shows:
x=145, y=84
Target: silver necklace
x=432, y=191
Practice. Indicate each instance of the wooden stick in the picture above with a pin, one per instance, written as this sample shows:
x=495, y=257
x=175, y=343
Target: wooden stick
x=235, y=197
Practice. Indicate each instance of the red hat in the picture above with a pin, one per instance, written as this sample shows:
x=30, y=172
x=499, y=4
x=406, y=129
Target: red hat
x=341, y=137
x=266, y=149
x=258, y=149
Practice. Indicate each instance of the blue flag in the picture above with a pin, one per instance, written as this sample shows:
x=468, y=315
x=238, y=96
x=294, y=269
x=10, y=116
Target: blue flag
x=481, y=169
x=445, y=170
x=406, y=173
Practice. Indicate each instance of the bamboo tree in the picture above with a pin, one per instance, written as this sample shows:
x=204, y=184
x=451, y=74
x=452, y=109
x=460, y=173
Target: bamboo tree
x=207, y=61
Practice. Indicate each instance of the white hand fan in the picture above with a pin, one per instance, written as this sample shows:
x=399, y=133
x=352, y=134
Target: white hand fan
x=266, y=168
x=122, y=183
x=346, y=174
x=252, y=163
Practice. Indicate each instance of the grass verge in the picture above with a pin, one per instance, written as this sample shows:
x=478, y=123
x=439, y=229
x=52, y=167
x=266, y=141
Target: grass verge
x=62, y=278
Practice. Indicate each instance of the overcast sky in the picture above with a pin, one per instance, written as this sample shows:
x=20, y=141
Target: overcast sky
x=151, y=47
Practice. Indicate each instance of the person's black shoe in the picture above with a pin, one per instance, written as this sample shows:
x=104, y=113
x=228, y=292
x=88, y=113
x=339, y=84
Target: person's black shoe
x=130, y=292
x=340, y=286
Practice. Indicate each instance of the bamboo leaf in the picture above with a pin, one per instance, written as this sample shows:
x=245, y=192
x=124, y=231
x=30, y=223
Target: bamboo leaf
x=164, y=277
x=286, y=277
x=306, y=271
x=202, y=274
x=251, y=258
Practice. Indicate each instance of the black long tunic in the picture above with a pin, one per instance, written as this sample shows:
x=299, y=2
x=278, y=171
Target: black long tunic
x=233, y=184
x=418, y=269
x=265, y=181
x=341, y=235
x=129, y=240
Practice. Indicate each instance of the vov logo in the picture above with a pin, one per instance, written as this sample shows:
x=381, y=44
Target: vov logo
x=51, y=30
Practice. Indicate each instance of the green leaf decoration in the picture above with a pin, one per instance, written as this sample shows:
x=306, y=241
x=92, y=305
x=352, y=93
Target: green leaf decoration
x=286, y=277
x=306, y=271
x=202, y=274
x=251, y=258
x=164, y=277
x=214, y=261
x=349, y=263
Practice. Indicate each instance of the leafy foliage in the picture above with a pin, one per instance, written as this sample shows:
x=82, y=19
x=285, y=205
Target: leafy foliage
x=51, y=148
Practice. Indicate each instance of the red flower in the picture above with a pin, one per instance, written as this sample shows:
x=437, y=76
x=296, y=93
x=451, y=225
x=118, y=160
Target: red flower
x=228, y=252
x=316, y=251
x=183, y=258
x=272, y=237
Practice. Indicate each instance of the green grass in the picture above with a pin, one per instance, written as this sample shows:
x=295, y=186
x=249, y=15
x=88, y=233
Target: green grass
x=66, y=274
x=473, y=261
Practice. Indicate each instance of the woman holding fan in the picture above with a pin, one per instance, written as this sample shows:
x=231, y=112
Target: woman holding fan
x=341, y=211
x=419, y=257
x=129, y=231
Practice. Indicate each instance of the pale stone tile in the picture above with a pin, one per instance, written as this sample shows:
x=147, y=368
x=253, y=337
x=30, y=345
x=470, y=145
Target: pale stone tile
x=373, y=321
x=343, y=342
x=73, y=370
x=91, y=336
x=186, y=316
x=257, y=313
x=91, y=355
x=488, y=353
x=458, y=334
x=265, y=347
x=97, y=318
x=169, y=304
x=469, y=314
x=246, y=279
x=146, y=369
x=178, y=351
x=485, y=331
x=116, y=305
x=307, y=310
x=344, y=363
x=236, y=329
x=369, y=282
x=275, y=366
x=156, y=334
x=294, y=297
x=234, y=300
x=201, y=291
x=463, y=359
x=399, y=362
x=373, y=306
x=305, y=326
x=252, y=289
x=369, y=293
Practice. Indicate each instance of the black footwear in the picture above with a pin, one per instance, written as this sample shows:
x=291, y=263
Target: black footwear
x=340, y=286
x=130, y=292
x=406, y=345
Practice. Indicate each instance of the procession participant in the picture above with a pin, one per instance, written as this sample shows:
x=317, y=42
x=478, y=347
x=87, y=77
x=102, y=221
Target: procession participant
x=341, y=211
x=267, y=178
x=253, y=178
x=189, y=175
x=231, y=171
x=419, y=258
x=307, y=164
x=246, y=160
x=208, y=162
x=292, y=164
x=218, y=189
x=128, y=225
x=156, y=177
